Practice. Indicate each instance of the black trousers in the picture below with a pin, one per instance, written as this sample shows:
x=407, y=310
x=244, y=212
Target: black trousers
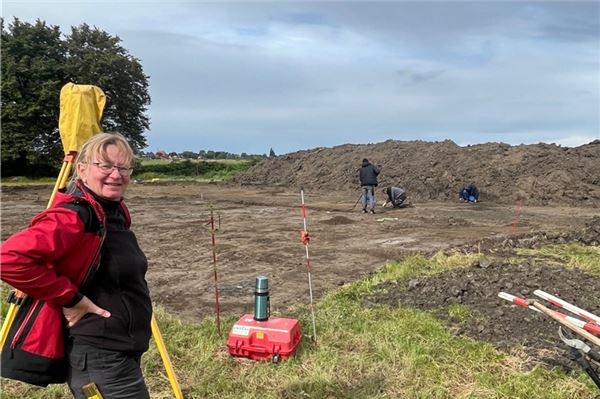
x=116, y=374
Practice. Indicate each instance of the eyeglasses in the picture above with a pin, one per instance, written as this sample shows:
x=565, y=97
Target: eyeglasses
x=107, y=169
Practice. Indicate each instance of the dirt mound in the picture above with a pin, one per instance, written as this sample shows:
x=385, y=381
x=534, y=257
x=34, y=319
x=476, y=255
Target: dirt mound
x=337, y=220
x=588, y=235
x=539, y=174
x=493, y=319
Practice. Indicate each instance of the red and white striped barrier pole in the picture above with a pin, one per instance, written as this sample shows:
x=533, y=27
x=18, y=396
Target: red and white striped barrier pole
x=567, y=306
x=516, y=300
x=305, y=240
x=590, y=327
x=215, y=274
x=517, y=216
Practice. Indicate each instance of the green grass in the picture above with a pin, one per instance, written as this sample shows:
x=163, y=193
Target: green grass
x=458, y=312
x=203, y=170
x=362, y=352
x=167, y=170
x=573, y=255
x=146, y=162
x=26, y=181
x=412, y=266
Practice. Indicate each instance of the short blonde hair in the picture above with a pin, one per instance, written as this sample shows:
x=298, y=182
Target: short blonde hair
x=97, y=144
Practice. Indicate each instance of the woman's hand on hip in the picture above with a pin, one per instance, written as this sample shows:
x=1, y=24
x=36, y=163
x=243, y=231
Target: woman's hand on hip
x=83, y=307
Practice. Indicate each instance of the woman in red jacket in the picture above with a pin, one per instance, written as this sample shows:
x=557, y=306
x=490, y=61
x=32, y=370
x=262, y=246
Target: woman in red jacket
x=87, y=315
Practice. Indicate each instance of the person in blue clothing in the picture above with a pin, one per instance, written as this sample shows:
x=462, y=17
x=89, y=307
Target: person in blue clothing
x=368, y=181
x=469, y=193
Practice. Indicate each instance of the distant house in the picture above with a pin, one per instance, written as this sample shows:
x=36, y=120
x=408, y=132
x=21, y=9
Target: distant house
x=161, y=154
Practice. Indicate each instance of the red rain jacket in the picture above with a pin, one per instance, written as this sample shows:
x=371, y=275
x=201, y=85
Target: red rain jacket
x=48, y=261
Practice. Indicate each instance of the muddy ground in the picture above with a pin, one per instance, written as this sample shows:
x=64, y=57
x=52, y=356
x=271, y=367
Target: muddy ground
x=491, y=319
x=259, y=234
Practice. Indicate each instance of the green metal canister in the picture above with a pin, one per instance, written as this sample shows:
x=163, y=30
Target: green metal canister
x=262, y=303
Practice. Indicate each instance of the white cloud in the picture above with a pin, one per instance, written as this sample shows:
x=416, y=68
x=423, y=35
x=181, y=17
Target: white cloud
x=574, y=141
x=290, y=75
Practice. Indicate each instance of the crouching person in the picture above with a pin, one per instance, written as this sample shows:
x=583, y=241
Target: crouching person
x=396, y=196
x=87, y=314
x=469, y=193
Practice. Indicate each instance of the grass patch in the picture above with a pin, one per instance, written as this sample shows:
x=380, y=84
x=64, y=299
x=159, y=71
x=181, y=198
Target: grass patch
x=191, y=170
x=146, y=170
x=411, y=266
x=573, y=255
x=459, y=312
x=27, y=181
x=362, y=352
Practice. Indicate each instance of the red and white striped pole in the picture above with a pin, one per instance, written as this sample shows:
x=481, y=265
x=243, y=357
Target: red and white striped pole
x=517, y=216
x=305, y=240
x=590, y=327
x=567, y=306
x=215, y=274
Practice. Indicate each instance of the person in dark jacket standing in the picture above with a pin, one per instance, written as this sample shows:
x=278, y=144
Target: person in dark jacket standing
x=396, y=196
x=368, y=181
x=80, y=257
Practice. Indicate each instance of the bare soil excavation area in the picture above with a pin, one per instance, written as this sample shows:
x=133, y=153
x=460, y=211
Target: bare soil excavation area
x=258, y=233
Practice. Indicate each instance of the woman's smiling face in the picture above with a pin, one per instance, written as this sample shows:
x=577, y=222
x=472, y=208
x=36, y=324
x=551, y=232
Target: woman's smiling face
x=107, y=178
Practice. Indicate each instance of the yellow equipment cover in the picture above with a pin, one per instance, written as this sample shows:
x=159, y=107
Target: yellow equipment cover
x=81, y=108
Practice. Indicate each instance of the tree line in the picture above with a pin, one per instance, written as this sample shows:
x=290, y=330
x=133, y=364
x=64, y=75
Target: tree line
x=37, y=60
x=202, y=154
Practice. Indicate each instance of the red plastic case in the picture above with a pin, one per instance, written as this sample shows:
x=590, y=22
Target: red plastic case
x=274, y=339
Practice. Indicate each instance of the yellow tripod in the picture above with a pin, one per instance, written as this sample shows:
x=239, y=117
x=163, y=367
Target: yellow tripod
x=81, y=108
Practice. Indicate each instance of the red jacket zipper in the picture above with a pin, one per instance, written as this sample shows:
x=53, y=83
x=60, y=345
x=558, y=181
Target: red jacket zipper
x=13, y=344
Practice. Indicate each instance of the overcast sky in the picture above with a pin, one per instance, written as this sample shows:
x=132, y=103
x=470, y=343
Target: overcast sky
x=249, y=76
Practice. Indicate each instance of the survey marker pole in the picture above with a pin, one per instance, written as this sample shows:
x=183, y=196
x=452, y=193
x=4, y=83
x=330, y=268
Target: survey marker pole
x=590, y=327
x=586, y=330
x=215, y=274
x=556, y=301
x=305, y=240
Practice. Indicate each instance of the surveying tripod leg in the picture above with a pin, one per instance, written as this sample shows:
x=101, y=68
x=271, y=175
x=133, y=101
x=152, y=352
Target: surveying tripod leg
x=357, y=201
x=162, y=349
x=8, y=321
x=91, y=391
x=63, y=177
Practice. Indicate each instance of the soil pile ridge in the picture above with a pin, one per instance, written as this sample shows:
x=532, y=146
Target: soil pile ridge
x=487, y=317
x=539, y=174
x=484, y=316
